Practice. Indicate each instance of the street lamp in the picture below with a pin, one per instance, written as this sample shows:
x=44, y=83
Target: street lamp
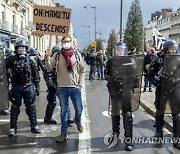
x=93, y=7
x=88, y=26
x=100, y=33
x=86, y=37
x=120, y=30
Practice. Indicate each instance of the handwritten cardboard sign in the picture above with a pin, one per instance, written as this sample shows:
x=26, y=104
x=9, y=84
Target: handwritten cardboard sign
x=51, y=20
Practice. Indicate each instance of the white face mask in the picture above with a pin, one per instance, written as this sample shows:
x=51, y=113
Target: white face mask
x=66, y=45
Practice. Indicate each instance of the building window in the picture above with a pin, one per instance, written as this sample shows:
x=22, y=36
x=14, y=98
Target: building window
x=3, y=12
x=14, y=18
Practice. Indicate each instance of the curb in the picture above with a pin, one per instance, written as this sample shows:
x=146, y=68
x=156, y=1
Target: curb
x=167, y=119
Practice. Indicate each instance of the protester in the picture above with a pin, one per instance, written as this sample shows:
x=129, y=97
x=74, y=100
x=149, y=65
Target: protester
x=70, y=78
x=132, y=51
x=101, y=59
x=147, y=60
x=92, y=63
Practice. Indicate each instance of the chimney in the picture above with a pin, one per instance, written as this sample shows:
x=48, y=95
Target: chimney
x=165, y=12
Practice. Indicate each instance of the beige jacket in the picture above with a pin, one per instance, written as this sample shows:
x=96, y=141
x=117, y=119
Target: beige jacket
x=65, y=78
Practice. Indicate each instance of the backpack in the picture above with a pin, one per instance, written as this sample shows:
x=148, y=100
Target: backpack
x=87, y=59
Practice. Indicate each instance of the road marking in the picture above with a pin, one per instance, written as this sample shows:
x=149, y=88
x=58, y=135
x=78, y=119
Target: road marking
x=8, y=120
x=84, y=146
x=105, y=113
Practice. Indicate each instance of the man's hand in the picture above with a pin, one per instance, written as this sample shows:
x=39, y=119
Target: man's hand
x=48, y=53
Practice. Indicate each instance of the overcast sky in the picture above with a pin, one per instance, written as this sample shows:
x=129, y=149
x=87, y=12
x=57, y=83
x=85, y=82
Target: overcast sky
x=108, y=14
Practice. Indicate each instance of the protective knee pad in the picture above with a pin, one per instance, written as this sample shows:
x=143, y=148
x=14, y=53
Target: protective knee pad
x=128, y=124
x=127, y=116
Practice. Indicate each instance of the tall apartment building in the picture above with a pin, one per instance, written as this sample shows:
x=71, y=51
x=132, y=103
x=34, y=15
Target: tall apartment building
x=166, y=22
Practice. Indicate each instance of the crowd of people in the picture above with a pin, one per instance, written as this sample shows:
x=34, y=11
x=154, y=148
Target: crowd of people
x=64, y=72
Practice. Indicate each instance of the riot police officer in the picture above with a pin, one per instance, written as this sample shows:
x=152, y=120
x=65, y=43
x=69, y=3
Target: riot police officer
x=23, y=69
x=115, y=88
x=156, y=77
x=35, y=57
x=8, y=53
x=51, y=82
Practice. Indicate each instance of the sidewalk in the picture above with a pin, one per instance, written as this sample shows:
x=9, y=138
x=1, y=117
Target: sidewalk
x=147, y=102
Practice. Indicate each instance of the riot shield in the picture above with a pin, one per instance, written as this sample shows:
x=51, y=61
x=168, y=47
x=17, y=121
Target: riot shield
x=125, y=89
x=170, y=92
x=4, y=103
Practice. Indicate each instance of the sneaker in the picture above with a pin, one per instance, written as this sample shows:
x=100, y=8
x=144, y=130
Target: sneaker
x=150, y=89
x=80, y=128
x=12, y=131
x=35, y=129
x=5, y=112
x=63, y=137
x=70, y=122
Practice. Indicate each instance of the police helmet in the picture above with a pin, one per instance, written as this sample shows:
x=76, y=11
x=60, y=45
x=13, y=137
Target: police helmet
x=120, y=48
x=21, y=42
x=169, y=44
x=8, y=51
x=32, y=52
x=55, y=49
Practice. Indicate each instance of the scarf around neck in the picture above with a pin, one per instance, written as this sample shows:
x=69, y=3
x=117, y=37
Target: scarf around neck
x=67, y=56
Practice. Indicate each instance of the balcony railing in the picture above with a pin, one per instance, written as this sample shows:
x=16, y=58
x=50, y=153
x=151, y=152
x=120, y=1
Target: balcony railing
x=4, y=25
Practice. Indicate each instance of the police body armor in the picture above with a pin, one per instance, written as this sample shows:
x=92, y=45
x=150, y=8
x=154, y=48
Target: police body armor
x=170, y=88
x=4, y=103
x=125, y=87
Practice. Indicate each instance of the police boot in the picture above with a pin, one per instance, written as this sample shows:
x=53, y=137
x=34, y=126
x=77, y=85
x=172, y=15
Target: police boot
x=128, y=130
x=49, y=112
x=176, y=130
x=31, y=112
x=15, y=110
x=70, y=121
x=116, y=125
x=159, y=123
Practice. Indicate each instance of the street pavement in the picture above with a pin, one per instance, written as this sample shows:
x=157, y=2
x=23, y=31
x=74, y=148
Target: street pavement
x=96, y=123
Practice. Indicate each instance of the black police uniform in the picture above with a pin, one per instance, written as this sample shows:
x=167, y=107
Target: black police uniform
x=23, y=69
x=34, y=56
x=115, y=86
x=156, y=79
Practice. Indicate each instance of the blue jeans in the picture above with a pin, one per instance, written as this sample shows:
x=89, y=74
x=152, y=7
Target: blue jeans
x=75, y=94
x=147, y=83
x=101, y=71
